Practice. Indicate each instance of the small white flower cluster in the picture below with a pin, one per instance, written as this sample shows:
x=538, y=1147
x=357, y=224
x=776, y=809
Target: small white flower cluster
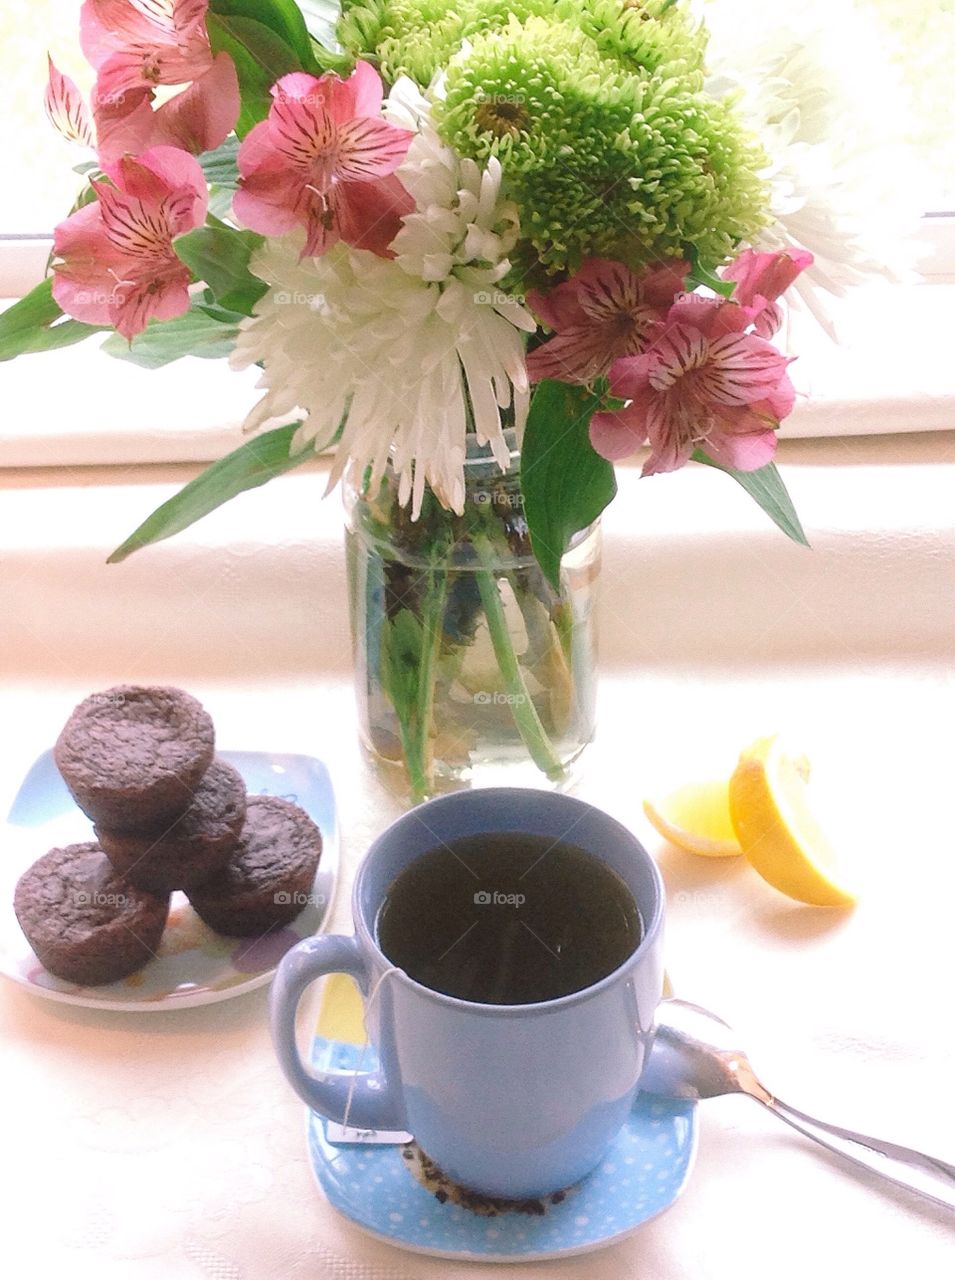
x=409, y=352
x=460, y=220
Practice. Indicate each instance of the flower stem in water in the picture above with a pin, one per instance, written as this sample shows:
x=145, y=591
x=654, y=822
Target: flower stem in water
x=525, y=713
x=432, y=618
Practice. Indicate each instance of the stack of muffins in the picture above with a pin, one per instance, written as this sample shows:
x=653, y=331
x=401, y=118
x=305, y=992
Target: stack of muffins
x=168, y=815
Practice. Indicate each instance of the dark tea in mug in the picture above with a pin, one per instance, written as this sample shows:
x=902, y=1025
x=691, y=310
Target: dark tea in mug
x=508, y=918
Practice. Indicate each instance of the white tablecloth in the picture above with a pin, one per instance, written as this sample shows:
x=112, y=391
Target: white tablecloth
x=167, y=1146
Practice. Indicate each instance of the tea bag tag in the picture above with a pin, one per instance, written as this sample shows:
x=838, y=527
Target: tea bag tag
x=339, y=1135
x=346, y=1135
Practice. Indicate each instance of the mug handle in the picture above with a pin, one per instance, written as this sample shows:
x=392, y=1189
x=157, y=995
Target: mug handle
x=375, y=1102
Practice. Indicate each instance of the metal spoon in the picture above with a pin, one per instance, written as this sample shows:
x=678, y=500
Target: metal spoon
x=694, y=1055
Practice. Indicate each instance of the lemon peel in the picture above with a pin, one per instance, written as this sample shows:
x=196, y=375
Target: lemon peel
x=777, y=830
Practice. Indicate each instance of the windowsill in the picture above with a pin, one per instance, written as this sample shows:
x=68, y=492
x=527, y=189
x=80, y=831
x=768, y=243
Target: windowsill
x=77, y=407
x=694, y=573
x=890, y=371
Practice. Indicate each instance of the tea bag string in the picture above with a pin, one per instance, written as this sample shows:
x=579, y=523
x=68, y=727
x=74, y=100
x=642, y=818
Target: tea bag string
x=369, y=1004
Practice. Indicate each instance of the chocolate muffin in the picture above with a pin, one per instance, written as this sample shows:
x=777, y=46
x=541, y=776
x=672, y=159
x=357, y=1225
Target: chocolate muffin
x=269, y=877
x=133, y=756
x=193, y=847
x=87, y=924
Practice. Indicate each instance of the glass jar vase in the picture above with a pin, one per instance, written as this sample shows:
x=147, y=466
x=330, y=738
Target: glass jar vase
x=470, y=669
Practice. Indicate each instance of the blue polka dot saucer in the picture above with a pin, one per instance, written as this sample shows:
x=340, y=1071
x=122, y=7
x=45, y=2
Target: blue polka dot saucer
x=386, y=1190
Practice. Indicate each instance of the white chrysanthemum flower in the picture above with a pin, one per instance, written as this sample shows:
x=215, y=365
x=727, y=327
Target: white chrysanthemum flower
x=408, y=351
x=819, y=90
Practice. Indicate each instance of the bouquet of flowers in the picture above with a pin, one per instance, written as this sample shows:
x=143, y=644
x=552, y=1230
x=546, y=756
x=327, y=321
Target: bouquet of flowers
x=535, y=230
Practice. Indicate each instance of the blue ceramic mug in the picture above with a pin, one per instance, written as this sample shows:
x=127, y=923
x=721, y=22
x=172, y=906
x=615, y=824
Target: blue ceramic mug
x=510, y=1100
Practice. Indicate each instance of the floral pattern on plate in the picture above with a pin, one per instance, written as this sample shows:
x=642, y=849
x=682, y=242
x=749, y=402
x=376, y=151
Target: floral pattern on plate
x=195, y=965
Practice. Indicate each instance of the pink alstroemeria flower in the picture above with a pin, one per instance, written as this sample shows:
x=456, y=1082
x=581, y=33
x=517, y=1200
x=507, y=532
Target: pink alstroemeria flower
x=324, y=159
x=704, y=383
x=604, y=312
x=760, y=279
x=196, y=120
x=66, y=108
x=142, y=43
x=115, y=262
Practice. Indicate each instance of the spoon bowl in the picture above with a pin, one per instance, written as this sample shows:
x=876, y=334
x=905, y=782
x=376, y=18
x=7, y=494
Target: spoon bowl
x=694, y=1054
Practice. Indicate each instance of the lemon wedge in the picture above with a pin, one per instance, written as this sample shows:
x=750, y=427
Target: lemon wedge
x=777, y=830
x=696, y=818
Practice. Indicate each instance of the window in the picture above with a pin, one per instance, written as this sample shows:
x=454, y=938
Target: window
x=922, y=33
x=39, y=183
x=40, y=187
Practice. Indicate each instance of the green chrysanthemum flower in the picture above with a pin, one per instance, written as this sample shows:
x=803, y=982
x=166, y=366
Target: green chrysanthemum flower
x=418, y=37
x=404, y=37
x=601, y=161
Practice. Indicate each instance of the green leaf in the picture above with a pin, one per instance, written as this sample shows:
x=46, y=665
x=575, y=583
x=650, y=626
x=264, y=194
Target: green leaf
x=87, y=195
x=197, y=333
x=220, y=255
x=210, y=308
x=700, y=274
x=37, y=308
x=767, y=488
x=36, y=323
x=283, y=17
x=321, y=18
x=260, y=56
x=254, y=463
x=221, y=167
x=220, y=201
x=401, y=656
x=565, y=482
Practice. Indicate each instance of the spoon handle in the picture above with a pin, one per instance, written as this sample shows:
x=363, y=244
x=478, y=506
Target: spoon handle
x=926, y=1176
